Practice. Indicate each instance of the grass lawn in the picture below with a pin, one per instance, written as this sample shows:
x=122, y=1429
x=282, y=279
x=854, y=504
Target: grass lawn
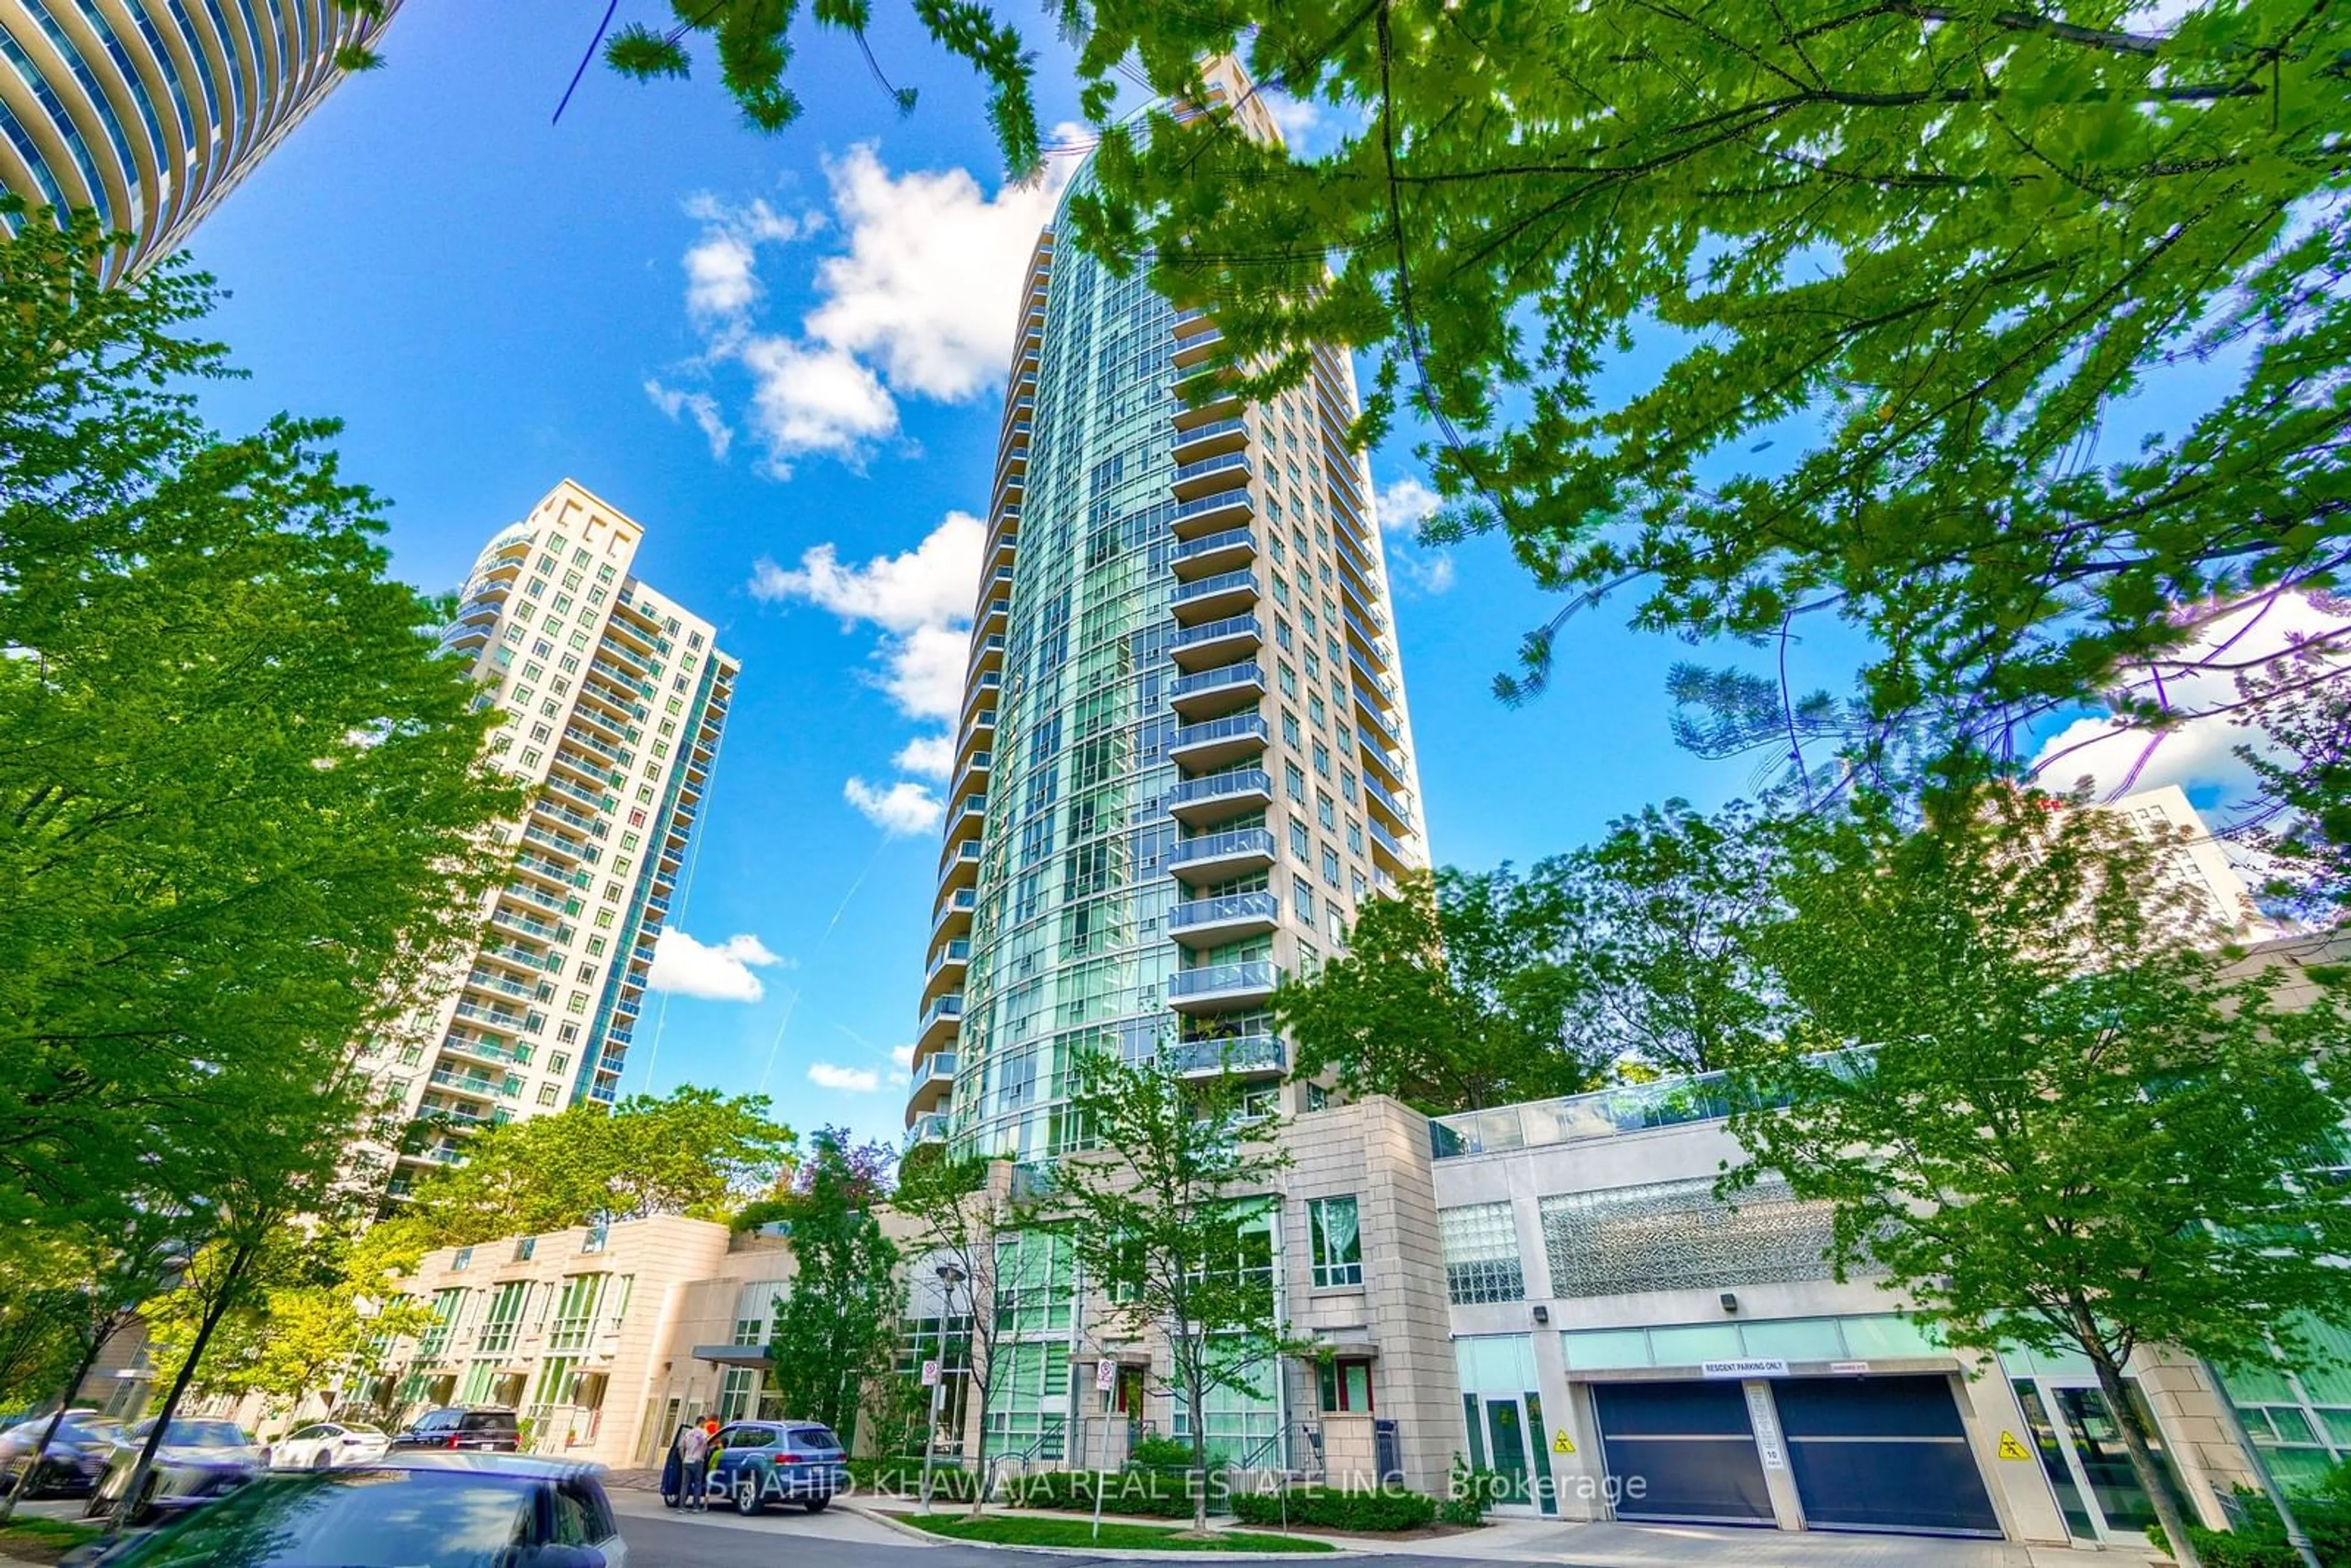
x=1029, y=1530
x=43, y=1540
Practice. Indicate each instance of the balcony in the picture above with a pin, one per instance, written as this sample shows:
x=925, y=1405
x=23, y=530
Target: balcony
x=1217, y=691
x=1220, y=857
x=1211, y=921
x=928, y=1129
x=1191, y=481
x=1219, y=741
x=951, y=915
x=470, y=1084
x=1195, y=803
x=1219, y=987
x=1398, y=812
x=545, y=930
x=481, y=982
x=1385, y=843
x=1196, y=349
x=1210, y=512
x=1217, y=642
x=1374, y=715
x=1214, y=598
x=1389, y=763
x=1211, y=553
x=963, y=866
x=939, y=1023
x=473, y=1048
x=986, y=653
x=934, y=1083
x=993, y=615
x=973, y=776
x=1214, y=439
x=556, y=843
x=494, y=1018
x=557, y=811
x=949, y=961
x=1204, y=396
x=1243, y=1053
x=1373, y=646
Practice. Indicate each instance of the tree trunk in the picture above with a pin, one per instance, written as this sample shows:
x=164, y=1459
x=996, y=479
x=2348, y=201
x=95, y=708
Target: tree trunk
x=215, y=1310
x=1196, y=1396
x=33, y=1460
x=2135, y=1446
x=976, y=1398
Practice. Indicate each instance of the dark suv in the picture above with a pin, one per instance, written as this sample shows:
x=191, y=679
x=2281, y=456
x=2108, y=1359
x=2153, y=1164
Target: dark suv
x=462, y=1426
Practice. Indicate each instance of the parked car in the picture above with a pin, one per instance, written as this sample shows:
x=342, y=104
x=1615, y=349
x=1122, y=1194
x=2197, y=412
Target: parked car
x=450, y=1511
x=480, y=1427
x=197, y=1461
x=762, y=1462
x=324, y=1444
x=72, y=1463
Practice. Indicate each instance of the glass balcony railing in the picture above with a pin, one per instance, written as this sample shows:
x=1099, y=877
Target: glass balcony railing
x=1225, y=463
x=1217, y=502
x=947, y=1007
x=1209, y=544
x=1209, y=586
x=929, y=1129
x=1217, y=846
x=1218, y=786
x=1245, y=674
x=1238, y=726
x=1235, y=626
x=1241, y=1053
x=1217, y=911
x=1611, y=1112
x=1220, y=980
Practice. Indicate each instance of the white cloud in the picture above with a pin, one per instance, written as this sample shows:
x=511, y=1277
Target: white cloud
x=903, y=1055
x=1403, y=504
x=926, y=286
x=925, y=671
x=2200, y=752
x=921, y=599
x=721, y=279
x=916, y=300
x=932, y=755
x=702, y=407
x=847, y=1079
x=1429, y=574
x=1299, y=119
x=904, y=809
x=811, y=399
x=719, y=973
x=930, y=585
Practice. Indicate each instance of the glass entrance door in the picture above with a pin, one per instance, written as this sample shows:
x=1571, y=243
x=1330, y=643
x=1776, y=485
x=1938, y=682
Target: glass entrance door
x=1506, y=1444
x=2081, y=1450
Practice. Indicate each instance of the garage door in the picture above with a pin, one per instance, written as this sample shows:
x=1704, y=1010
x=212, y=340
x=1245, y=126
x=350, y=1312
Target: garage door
x=1689, y=1448
x=1883, y=1453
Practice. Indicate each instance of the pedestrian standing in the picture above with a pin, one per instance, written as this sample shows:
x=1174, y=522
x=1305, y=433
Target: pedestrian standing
x=693, y=1455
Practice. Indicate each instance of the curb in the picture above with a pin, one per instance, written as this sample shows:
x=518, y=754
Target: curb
x=898, y=1522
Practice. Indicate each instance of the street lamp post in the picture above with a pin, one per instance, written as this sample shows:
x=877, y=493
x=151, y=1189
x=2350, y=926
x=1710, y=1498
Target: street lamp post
x=949, y=1278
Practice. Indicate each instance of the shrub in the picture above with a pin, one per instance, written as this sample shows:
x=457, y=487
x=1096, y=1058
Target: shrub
x=1157, y=1453
x=1470, y=1490
x=1323, y=1509
x=2262, y=1543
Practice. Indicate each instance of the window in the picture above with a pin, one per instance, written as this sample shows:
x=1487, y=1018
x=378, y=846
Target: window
x=458, y=1261
x=547, y=1096
x=1293, y=780
x=1302, y=892
x=1481, y=1254
x=1330, y=865
x=1325, y=813
x=1299, y=844
x=1337, y=1244
x=1346, y=1387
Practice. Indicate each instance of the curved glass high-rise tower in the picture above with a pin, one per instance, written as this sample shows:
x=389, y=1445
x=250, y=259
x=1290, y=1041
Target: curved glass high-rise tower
x=150, y=111
x=1184, y=756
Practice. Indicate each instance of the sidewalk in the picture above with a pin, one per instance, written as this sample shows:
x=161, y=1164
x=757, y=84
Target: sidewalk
x=1565, y=1545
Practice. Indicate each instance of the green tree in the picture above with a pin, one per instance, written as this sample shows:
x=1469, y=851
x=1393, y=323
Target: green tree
x=240, y=803
x=1658, y=915
x=1166, y=1207
x=326, y=1301
x=2070, y=1124
x=694, y=1151
x=1925, y=253
x=955, y=1209
x=753, y=41
x=1450, y=995
x=837, y=1331
x=70, y=1291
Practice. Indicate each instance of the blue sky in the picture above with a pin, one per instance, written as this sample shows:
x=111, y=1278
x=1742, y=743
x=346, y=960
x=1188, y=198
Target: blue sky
x=762, y=347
